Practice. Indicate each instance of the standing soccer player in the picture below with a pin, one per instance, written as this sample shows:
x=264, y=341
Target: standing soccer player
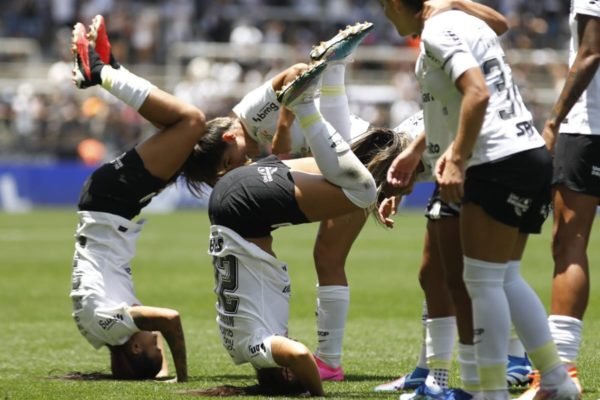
x=496, y=164
x=572, y=132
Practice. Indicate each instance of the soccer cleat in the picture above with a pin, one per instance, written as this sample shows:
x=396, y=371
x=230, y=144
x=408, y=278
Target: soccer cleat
x=518, y=371
x=425, y=392
x=328, y=373
x=409, y=381
x=570, y=389
x=98, y=39
x=87, y=64
x=303, y=89
x=343, y=44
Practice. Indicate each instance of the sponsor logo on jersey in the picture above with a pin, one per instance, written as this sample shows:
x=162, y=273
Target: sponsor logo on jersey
x=267, y=173
x=595, y=170
x=108, y=323
x=287, y=289
x=255, y=348
x=266, y=110
x=520, y=204
x=227, y=320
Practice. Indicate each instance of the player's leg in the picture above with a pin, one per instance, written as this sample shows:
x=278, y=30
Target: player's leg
x=337, y=53
x=157, y=106
x=332, y=246
x=335, y=160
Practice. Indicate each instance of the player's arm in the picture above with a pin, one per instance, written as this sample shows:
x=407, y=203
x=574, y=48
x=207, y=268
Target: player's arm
x=299, y=359
x=282, y=140
x=580, y=75
x=168, y=323
x=451, y=165
x=491, y=17
x=403, y=167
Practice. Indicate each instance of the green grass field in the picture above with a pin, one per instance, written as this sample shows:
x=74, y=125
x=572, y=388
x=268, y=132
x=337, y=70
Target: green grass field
x=39, y=342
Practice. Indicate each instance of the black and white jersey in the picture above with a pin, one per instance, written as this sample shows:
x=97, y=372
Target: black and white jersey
x=453, y=42
x=255, y=199
x=584, y=117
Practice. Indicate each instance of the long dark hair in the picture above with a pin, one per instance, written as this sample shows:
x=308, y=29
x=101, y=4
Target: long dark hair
x=271, y=382
x=376, y=149
x=416, y=5
x=202, y=166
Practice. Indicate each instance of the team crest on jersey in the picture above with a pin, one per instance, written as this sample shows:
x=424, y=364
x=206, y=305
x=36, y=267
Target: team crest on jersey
x=267, y=173
x=520, y=204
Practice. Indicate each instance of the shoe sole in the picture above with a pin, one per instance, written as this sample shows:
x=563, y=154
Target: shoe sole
x=357, y=31
x=80, y=49
x=295, y=88
x=99, y=38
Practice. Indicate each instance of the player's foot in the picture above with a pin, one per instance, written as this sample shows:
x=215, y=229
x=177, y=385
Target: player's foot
x=98, y=39
x=425, y=392
x=343, y=44
x=303, y=89
x=569, y=389
x=328, y=373
x=87, y=65
x=407, y=382
x=518, y=371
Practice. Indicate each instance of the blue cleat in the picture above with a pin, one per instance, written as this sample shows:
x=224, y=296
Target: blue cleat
x=305, y=88
x=343, y=44
x=407, y=382
x=425, y=392
x=518, y=371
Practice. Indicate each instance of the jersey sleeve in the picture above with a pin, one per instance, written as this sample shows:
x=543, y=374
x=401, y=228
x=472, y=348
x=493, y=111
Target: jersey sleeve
x=446, y=48
x=258, y=112
x=587, y=7
x=113, y=326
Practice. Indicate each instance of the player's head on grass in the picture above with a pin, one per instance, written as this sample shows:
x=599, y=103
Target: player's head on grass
x=271, y=382
x=138, y=358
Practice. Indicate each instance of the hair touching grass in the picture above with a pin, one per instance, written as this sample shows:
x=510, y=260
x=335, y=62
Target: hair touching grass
x=376, y=149
x=271, y=382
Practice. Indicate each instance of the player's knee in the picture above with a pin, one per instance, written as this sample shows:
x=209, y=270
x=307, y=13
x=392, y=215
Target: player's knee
x=362, y=191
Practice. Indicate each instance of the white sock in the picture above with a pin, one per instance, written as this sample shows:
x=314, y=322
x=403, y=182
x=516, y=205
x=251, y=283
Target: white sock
x=332, y=310
x=491, y=321
x=530, y=322
x=440, y=339
x=468, y=368
x=126, y=86
x=566, y=332
x=515, y=346
x=333, y=102
x=338, y=164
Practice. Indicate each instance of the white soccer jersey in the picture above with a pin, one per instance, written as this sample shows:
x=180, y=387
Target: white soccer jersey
x=453, y=42
x=102, y=288
x=258, y=112
x=253, y=292
x=584, y=117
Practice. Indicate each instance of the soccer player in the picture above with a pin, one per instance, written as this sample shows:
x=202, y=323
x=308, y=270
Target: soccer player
x=105, y=307
x=572, y=132
x=247, y=203
x=261, y=120
x=495, y=163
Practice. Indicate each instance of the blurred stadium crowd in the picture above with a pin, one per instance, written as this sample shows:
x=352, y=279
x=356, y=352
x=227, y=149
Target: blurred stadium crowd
x=43, y=117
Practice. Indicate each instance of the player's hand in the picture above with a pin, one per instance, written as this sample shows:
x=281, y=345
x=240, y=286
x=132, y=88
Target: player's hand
x=549, y=134
x=401, y=172
x=387, y=208
x=450, y=177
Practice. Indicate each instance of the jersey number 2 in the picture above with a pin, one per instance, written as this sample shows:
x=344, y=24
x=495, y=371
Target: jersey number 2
x=226, y=283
